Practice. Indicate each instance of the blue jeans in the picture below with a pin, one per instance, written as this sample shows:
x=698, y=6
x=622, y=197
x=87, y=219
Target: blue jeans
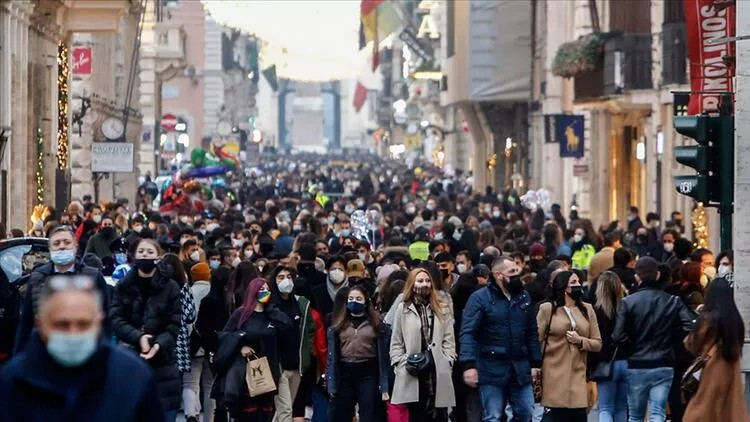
x=648, y=387
x=172, y=415
x=613, y=394
x=495, y=397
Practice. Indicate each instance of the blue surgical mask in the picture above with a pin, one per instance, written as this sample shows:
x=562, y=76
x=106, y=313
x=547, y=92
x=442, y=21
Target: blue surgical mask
x=121, y=258
x=214, y=264
x=62, y=257
x=355, y=308
x=72, y=349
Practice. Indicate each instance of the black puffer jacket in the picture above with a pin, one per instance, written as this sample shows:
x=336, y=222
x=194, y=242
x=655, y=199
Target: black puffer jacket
x=649, y=323
x=152, y=309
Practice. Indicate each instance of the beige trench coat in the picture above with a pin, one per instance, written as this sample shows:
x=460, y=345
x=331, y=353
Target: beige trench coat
x=407, y=339
x=564, y=364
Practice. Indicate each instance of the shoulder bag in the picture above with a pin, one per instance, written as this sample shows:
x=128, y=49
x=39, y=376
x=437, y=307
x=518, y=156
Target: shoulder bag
x=692, y=378
x=536, y=382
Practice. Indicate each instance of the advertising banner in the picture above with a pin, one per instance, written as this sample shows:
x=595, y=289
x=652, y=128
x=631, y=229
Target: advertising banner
x=709, y=72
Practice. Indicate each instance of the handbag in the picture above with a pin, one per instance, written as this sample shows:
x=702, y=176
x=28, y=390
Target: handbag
x=258, y=376
x=536, y=382
x=602, y=371
x=692, y=377
x=419, y=363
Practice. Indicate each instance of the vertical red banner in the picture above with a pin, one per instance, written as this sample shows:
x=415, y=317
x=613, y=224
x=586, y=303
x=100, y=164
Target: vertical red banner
x=81, y=61
x=709, y=72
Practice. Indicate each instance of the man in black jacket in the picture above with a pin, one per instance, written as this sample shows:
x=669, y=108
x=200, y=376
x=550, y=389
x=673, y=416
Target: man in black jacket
x=62, y=247
x=649, y=323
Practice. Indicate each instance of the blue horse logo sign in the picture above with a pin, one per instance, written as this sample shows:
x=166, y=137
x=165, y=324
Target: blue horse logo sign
x=568, y=132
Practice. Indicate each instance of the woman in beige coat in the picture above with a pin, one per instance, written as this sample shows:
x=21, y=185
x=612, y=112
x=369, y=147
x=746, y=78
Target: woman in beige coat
x=423, y=322
x=567, y=331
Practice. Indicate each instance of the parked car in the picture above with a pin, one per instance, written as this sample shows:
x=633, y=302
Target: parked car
x=21, y=255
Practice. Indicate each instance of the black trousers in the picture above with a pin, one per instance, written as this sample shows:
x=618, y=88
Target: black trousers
x=358, y=384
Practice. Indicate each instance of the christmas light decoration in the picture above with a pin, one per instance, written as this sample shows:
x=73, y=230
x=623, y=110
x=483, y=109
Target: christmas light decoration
x=39, y=166
x=699, y=219
x=63, y=70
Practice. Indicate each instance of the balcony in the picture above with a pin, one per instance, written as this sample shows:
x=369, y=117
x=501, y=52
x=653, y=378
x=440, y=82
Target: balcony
x=94, y=15
x=674, y=54
x=169, y=41
x=623, y=65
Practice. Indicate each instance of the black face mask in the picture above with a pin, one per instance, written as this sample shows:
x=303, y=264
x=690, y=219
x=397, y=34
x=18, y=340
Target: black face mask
x=445, y=273
x=537, y=265
x=109, y=232
x=145, y=265
x=642, y=238
x=514, y=285
x=576, y=292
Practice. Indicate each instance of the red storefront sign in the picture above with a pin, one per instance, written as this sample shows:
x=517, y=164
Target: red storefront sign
x=709, y=72
x=81, y=61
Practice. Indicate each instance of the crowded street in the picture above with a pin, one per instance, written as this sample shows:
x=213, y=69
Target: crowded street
x=374, y=210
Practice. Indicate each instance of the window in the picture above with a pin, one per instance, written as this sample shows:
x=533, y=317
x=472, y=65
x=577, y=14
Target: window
x=450, y=15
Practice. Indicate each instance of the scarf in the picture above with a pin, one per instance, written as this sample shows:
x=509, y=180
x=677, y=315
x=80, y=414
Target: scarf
x=332, y=289
x=187, y=318
x=428, y=381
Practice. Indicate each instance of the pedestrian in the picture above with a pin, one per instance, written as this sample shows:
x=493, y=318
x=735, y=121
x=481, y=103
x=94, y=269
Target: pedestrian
x=200, y=376
x=70, y=371
x=608, y=366
x=257, y=324
x=99, y=243
x=568, y=330
x=649, y=323
x=323, y=294
x=146, y=316
x=187, y=310
x=422, y=325
x=358, y=359
x=295, y=344
x=62, y=246
x=240, y=279
x=719, y=335
x=499, y=343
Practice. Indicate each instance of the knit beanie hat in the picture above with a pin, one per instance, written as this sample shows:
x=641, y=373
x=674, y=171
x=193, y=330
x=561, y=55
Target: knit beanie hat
x=201, y=272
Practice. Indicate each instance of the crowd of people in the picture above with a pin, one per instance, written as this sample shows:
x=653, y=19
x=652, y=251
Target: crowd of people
x=376, y=291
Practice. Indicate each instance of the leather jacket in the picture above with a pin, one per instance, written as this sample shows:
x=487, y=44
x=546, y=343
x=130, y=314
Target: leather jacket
x=649, y=324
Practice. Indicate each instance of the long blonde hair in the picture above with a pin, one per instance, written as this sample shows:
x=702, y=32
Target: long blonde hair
x=609, y=291
x=438, y=305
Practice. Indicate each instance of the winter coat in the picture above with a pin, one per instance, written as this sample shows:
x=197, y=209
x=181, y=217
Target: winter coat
x=187, y=318
x=113, y=385
x=260, y=332
x=10, y=307
x=30, y=301
x=333, y=368
x=98, y=244
x=212, y=316
x=600, y=262
x=157, y=313
x=720, y=393
x=499, y=336
x=564, y=361
x=406, y=340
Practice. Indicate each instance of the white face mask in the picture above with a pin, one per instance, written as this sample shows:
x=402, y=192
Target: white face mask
x=97, y=219
x=286, y=285
x=668, y=247
x=195, y=256
x=577, y=238
x=336, y=276
x=236, y=262
x=211, y=227
x=724, y=269
x=710, y=272
x=461, y=268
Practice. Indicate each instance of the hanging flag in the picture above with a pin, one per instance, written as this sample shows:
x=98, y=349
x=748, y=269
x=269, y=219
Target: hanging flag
x=709, y=72
x=360, y=95
x=379, y=19
x=368, y=10
x=270, y=74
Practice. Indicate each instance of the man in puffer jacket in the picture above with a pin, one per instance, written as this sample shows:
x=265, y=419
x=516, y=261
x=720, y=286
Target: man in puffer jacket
x=500, y=344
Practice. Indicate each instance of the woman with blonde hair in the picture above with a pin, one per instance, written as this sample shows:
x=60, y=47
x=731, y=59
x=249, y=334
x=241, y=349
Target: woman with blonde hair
x=423, y=349
x=608, y=366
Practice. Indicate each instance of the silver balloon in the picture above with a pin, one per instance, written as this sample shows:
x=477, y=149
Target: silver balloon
x=359, y=224
x=374, y=219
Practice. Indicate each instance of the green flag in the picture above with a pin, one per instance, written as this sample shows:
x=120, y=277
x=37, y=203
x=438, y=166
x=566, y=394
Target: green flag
x=270, y=74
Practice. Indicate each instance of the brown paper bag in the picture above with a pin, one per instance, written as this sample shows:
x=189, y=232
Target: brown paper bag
x=258, y=376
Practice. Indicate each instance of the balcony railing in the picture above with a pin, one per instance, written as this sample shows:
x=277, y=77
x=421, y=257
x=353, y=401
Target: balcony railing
x=625, y=66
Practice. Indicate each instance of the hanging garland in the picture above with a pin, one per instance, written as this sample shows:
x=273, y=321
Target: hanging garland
x=581, y=55
x=63, y=70
x=39, y=166
x=699, y=218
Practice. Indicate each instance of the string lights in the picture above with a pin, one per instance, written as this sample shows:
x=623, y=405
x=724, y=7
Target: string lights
x=699, y=219
x=39, y=166
x=63, y=70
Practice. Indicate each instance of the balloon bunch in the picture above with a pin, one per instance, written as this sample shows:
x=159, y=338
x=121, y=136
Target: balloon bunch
x=537, y=199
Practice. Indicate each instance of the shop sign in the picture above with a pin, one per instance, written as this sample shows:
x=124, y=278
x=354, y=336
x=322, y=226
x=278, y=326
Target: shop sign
x=568, y=132
x=112, y=157
x=411, y=41
x=427, y=26
x=81, y=61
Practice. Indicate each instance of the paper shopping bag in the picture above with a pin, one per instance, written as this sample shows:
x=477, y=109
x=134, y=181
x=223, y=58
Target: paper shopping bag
x=258, y=376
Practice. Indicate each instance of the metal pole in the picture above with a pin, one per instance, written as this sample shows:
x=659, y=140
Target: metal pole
x=726, y=169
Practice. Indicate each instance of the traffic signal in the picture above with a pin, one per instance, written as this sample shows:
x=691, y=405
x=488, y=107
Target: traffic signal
x=712, y=158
